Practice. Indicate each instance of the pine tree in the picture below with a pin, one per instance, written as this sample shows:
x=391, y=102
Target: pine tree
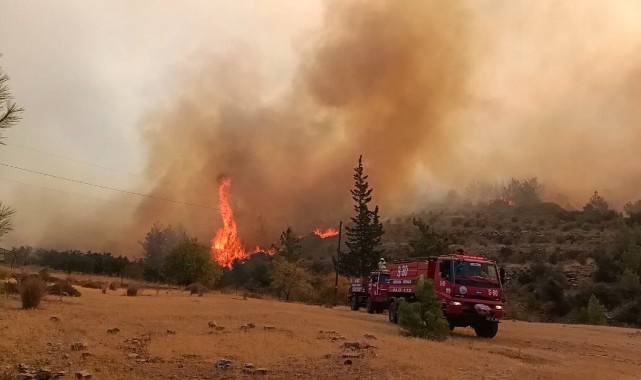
x=424, y=318
x=365, y=232
x=289, y=248
x=9, y=111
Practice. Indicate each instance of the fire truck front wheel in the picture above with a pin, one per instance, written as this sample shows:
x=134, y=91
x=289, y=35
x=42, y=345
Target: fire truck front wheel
x=354, y=303
x=486, y=329
x=369, y=306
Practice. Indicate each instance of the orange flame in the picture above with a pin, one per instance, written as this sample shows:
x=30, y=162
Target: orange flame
x=328, y=232
x=226, y=245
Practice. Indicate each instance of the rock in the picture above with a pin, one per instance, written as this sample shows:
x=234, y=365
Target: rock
x=171, y=332
x=260, y=371
x=249, y=365
x=85, y=355
x=251, y=325
x=249, y=371
x=347, y=362
x=212, y=324
x=220, y=328
x=78, y=346
x=54, y=319
x=83, y=375
x=114, y=330
x=352, y=354
x=223, y=364
x=369, y=336
x=270, y=328
x=132, y=356
x=356, y=345
x=136, y=342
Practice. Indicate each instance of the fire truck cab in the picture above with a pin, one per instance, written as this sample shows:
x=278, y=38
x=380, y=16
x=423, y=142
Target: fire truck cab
x=469, y=288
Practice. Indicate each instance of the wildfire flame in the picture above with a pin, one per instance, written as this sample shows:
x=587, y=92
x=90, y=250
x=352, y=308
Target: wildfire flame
x=508, y=201
x=327, y=233
x=226, y=245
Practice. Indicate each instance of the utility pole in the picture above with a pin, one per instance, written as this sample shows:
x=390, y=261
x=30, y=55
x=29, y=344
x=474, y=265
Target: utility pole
x=337, y=261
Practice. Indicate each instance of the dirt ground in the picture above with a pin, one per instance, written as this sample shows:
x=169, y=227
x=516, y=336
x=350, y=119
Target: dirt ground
x=167, y=336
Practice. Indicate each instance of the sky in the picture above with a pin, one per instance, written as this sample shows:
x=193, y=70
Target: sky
x=85, y=73
x=160, y=99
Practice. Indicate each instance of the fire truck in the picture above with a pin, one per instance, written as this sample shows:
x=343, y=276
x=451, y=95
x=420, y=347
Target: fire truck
x=469, y=288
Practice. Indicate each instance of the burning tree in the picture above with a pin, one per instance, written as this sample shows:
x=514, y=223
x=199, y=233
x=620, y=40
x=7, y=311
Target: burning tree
x=365, y=232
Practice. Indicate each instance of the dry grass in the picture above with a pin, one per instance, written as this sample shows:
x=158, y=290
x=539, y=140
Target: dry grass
x=295, y=347
x=32, y=291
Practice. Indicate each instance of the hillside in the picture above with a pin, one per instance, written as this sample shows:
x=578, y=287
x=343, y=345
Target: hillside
x=551, y=255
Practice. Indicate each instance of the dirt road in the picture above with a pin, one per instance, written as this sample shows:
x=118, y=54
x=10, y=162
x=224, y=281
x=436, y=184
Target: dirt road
x=167, y=336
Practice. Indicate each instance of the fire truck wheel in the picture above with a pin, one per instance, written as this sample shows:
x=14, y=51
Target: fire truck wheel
x=369, y=305
x=486, y=329
x=354, y=303
x=392, y=312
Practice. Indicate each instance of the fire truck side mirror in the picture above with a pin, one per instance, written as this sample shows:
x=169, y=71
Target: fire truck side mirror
x=502, y=275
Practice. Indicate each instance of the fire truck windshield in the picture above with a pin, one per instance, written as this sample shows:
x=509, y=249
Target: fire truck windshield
x=481, y=274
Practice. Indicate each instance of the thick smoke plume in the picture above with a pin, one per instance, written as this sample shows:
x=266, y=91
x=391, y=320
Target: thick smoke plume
x=379, y=79
x=434, y=94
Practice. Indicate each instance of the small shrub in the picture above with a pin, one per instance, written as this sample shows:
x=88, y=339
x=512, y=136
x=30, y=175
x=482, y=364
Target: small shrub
x=197, y=288
x=113, y=286
x=132, y=291
x=424, y=318
x=92, y=284
x=63, y=288
x=104, y=288
x=11, y=286
x=596, y=311
x=32, y=291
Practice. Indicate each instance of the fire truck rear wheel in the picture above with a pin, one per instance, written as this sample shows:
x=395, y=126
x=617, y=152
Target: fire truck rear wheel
x=354, y=303
x=369, y=305
x=486, y=329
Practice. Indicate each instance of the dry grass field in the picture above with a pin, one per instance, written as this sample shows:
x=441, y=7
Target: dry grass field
x=305, y=342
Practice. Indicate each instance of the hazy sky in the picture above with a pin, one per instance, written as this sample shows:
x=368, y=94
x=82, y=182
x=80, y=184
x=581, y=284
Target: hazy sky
x=503, y=88
x=85, y=72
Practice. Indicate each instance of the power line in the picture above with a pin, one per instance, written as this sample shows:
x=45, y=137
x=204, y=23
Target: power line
x=75, y=160
x=107, y=187
x=63, y=192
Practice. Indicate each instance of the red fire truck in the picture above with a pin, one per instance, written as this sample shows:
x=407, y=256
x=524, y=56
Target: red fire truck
x=468, y=287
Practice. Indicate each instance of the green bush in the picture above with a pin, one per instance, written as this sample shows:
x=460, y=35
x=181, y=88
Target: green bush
x=32, y=291
x=63, y=288
x=424, y=318
x=596, y=312
x=197, y=288
x=132, y=291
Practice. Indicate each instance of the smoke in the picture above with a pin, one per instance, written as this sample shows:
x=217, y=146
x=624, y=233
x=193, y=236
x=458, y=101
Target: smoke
x=433, y=94
x=378, y=79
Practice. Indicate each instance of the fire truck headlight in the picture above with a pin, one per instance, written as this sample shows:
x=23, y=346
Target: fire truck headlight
x=455, y=303
x=498, y=307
